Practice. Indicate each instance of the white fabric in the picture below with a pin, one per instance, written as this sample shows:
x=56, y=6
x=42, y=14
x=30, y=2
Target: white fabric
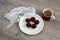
x=15, y=14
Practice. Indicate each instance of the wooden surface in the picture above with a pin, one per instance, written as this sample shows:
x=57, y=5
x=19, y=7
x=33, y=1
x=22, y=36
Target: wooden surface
x=51, y=29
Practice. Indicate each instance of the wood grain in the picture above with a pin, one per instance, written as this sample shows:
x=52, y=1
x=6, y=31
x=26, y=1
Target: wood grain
x=51, y=29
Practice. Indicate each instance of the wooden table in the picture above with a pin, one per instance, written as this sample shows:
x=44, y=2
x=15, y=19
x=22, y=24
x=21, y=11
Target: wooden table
x=51, y=29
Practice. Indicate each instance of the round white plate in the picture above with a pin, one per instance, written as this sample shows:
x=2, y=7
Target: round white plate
x=31, y=31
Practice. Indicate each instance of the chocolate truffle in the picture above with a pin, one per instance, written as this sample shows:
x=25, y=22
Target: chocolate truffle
x=32, y=18
x=28, y=25
x=27, y=20
x=33, y=26
x=36, y=22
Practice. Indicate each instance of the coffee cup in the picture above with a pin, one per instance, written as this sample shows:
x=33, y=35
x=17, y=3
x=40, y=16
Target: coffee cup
x=47, y=14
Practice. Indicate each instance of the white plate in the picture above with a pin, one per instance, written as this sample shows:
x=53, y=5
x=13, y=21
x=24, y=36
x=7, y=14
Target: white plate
x=31, y=31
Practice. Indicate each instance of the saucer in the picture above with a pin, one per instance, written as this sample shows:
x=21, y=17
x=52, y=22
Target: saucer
x=31, y=31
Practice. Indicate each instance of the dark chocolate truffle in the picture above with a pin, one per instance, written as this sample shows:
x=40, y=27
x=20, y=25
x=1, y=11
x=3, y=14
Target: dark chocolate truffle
x=36, y=22
x=32, y=18
x=27, y=20
x=28, y=24
x=33, y=26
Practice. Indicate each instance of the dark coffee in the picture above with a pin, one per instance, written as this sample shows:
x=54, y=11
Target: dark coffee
x=47, y=15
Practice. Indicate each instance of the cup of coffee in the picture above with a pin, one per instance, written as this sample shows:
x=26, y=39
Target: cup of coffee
x=47, y=14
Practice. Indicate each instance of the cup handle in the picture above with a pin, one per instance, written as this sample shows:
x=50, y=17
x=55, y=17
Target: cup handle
x=52, y=17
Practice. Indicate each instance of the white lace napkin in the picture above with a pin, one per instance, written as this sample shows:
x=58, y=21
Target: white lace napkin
x=15, y=14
